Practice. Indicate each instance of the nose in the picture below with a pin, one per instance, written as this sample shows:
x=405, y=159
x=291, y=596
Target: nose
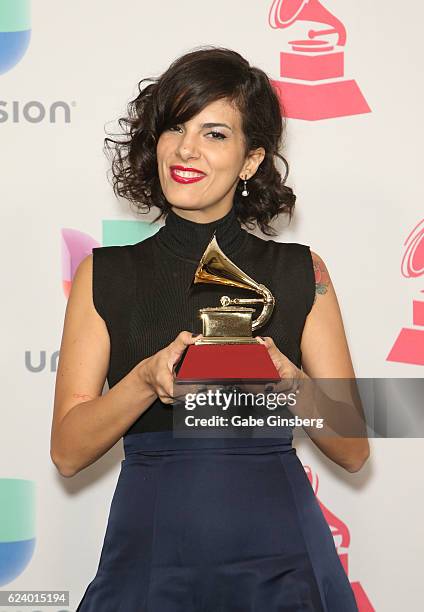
x=188, y=147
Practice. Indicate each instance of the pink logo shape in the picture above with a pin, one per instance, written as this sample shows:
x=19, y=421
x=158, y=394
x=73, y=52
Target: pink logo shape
x=313, y=86
x=75, y=246
x=409, y=345
x=341, y=537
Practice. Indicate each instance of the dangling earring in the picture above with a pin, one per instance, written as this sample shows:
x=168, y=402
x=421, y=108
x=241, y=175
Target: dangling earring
x=245, y=192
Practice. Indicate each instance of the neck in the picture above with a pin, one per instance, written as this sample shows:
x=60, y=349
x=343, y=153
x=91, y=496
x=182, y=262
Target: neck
x=203, y=215
x=188, y=239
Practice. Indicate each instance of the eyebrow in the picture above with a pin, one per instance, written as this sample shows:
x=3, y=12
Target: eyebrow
x=211, y=125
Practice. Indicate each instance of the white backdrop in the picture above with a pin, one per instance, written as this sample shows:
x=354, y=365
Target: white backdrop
x=359, y=194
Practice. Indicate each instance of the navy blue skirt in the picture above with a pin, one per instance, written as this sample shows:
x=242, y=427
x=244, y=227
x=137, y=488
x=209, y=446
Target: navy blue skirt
x=216, y=525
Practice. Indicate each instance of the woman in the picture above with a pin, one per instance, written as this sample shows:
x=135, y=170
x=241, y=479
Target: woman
x=199, y=524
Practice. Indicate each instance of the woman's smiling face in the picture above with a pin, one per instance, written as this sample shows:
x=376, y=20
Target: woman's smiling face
x=212, y=145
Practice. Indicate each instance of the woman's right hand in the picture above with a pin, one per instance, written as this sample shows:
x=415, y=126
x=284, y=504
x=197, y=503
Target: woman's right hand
x=158, y=371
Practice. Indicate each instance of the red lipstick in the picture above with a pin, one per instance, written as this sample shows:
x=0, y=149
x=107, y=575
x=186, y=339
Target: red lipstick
x=185, y=179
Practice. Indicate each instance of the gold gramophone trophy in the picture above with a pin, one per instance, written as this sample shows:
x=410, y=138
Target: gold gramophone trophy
x=228, y=352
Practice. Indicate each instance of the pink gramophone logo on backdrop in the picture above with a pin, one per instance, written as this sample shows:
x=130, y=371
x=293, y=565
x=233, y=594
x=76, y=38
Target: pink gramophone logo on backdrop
x=409, y=345
x=341, y=538
x=313, y=85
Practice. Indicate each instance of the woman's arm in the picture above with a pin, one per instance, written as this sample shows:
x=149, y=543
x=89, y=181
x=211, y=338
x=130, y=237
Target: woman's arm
x=86, y=424
x=325, y=354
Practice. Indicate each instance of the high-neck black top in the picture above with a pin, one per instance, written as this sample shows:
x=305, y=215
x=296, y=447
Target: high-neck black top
x=145, y=294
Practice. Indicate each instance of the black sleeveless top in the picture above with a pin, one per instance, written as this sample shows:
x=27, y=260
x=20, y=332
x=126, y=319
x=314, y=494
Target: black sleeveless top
x=145, y=295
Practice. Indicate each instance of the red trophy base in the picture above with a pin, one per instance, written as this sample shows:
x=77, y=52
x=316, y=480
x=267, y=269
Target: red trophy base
x=215, y=363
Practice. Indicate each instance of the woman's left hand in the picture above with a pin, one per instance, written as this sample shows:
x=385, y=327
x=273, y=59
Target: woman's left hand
x=286, y=368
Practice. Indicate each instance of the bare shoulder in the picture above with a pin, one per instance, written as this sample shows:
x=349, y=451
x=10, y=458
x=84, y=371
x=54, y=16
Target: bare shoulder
x=322, y=277
x=84, y=269
x=325, y=299
x=80, y=300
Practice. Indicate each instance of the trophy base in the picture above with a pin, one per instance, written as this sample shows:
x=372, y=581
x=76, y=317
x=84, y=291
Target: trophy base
x=216, y=363
x=227, y=340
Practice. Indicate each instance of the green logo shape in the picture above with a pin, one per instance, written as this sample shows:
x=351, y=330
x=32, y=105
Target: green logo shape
x=15, y=32
x=15, y=15
x=121, y=232
x=17, y=509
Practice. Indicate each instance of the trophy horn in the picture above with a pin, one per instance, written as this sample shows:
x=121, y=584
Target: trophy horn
x=215, y=267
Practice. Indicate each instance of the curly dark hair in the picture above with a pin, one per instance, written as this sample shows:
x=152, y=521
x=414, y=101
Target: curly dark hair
x=194, y=80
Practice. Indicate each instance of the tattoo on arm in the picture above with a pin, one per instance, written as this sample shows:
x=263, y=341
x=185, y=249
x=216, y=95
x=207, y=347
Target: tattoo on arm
x=322, y=278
